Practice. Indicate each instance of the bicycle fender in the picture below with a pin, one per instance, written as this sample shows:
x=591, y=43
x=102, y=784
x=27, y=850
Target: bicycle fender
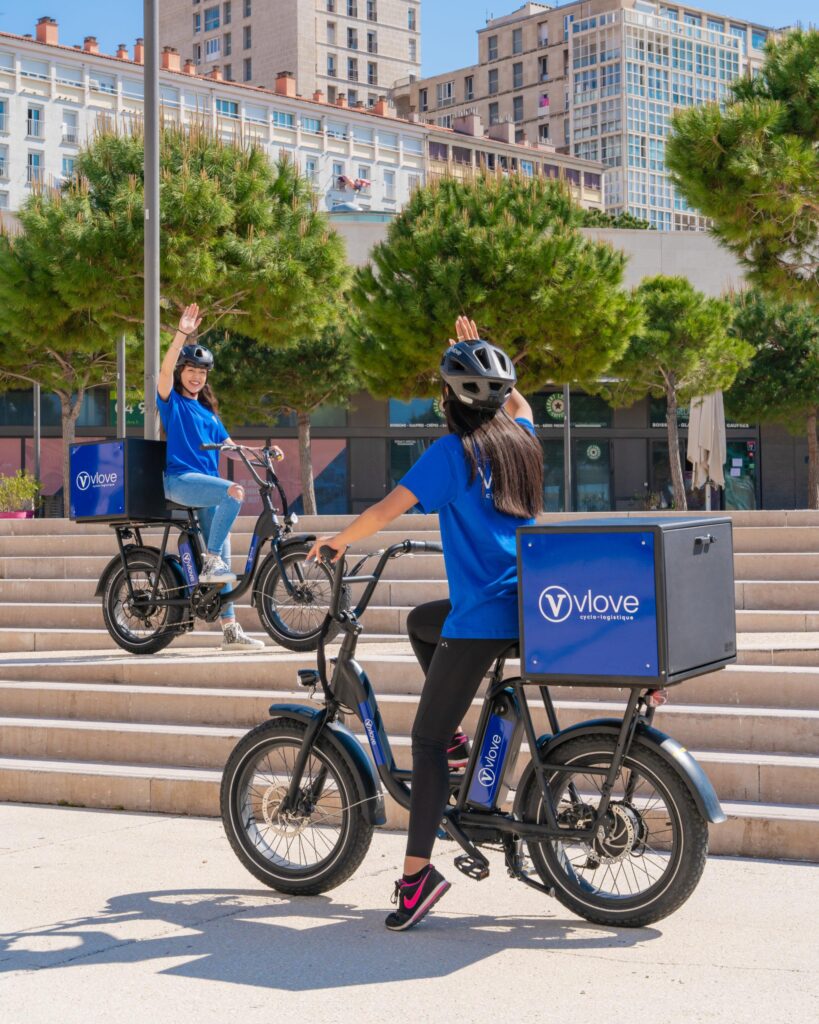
x=297, y=539
x=115, y=563
x=672, y=752
x=344, y=741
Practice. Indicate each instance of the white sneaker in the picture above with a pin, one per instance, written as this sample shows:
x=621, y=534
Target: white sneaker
x=214, y=570
x=235, y=639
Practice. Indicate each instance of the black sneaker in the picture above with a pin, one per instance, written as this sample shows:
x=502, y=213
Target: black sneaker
x=416, y=899
x=457, y=754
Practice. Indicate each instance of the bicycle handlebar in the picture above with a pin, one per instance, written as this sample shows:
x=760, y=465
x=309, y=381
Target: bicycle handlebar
x=264, y=461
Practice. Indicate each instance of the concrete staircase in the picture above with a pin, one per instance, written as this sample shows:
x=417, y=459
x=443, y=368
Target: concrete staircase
x=83, y=723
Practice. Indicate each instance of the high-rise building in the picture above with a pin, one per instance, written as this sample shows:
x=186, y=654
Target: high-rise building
x=354, y=48
x=598, y=79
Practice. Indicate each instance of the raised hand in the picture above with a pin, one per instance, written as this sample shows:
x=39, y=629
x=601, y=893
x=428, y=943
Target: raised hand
x=190, y=319
x=466, y=330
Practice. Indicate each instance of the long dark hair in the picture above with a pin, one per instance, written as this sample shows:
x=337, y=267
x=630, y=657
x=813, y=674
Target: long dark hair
x=206, y=396
x=513, y=456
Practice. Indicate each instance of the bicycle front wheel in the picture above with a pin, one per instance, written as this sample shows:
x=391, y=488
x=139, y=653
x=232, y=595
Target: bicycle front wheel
x=293, y=598
x=647, y=855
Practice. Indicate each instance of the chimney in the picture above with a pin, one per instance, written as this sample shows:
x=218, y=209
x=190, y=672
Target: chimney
x=90, y=44
x=139, y=51
x=285, y=83
x=48, y=31
x=361, y=105
x=215, y=73
x=190, y=66
x=468, y=124
x=318, y=96
x=122, y=51
x=382, y=107
x=342, y=100
x=170, y=59
x=504, y=131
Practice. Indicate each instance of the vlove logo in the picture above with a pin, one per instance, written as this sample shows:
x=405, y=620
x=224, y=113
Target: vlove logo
x=557, y=604
x=489, y=762
x=85, y=480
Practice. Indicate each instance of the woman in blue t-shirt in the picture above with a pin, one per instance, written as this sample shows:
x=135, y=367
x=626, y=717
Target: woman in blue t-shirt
x=190, y=416
x=485, y=480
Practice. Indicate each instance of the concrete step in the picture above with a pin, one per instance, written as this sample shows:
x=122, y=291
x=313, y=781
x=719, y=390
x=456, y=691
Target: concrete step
x=754, y=621
x=777, y=595
x=766, y=539
x=798, y=565
x=392, y=669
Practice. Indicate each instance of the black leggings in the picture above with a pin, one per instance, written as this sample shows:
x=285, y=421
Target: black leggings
x=454, y=670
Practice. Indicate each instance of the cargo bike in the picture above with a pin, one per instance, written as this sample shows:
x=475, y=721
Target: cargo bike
x=151, y=593
x=608, y=815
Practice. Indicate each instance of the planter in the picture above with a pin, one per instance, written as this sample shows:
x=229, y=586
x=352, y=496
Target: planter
x=16, y=515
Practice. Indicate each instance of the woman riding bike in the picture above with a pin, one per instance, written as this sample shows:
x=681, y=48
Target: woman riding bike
x=486, y=481
x=189, y=413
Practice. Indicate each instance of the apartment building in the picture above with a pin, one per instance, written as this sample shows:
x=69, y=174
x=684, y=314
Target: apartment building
x=598, y=79
x=53, y=97
x=352, y=48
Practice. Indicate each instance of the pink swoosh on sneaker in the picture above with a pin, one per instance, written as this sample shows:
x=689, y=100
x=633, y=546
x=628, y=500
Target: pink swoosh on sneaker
x=410, y=903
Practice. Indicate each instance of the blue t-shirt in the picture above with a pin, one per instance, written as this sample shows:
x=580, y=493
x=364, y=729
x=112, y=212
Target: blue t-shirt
x=479, y=542
x=188, y=424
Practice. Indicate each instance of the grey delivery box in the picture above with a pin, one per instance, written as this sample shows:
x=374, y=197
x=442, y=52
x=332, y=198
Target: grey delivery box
x=626, y=601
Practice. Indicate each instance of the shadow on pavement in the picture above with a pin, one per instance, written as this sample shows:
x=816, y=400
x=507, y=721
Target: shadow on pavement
x=247, y=937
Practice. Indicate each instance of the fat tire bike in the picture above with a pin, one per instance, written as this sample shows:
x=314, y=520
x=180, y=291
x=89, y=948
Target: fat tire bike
x=150, y=595
x=610, y=816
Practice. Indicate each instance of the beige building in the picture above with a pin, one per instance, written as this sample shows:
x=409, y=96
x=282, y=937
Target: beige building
x=598, y=79
x=354, y=48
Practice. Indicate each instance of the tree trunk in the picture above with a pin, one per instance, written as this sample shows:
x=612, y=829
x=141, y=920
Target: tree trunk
x=674, y=462
x=70, y=406
x=813, y=462
x=308, y=491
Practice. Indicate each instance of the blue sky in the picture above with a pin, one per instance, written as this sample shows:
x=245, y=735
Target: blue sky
x=448, y=26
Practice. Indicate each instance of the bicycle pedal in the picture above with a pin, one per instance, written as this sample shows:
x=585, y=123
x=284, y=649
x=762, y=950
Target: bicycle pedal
x=472, y=867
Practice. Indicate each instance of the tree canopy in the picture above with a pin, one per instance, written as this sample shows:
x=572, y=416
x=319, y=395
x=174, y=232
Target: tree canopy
x=752, y=166
x=507, y=252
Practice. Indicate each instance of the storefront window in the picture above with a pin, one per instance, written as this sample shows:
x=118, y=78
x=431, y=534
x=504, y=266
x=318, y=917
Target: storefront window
x=587, y=410
x=403, y=456
x=592, y=476
x=418, y=412
x=552, y=476
x=17, y=409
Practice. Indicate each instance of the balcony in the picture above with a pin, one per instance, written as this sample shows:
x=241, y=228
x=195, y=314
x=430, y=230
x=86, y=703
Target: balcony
x=70, y=136
x=543, y=41
x=34, y=128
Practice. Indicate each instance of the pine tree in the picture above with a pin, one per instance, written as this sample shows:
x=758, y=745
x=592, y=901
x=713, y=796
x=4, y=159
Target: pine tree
x=683, y=350
x=507, y=252
x=781, y=383
x=752, y=166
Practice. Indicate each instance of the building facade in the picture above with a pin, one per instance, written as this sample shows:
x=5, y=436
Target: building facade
x=355, y=48
x=598, y=79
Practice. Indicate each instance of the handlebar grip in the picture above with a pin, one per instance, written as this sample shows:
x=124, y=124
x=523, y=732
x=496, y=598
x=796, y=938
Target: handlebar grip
x=422, y=545
x=209, y=447
x=327, y=554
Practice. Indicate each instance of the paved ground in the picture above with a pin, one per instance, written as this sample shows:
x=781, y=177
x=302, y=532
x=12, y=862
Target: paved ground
x=111, y=916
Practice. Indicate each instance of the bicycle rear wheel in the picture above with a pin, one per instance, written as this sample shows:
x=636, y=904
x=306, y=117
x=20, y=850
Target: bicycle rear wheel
x=134, y=624
x=649, y=853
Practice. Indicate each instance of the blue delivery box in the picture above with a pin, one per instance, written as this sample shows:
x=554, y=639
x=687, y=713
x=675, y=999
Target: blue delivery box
x=117, y=481
x=626, y=601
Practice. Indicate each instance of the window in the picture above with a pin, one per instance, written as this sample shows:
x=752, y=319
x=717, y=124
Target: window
x=332, y=71
x=331, y=6
x=364, y=135
x=469, y=88
x=517, y=40
x=226, y=12
x=352, y=38
x=212, y=47
x=758, y=39
x=567, y=20
x=34, y=69
x=372, y=73
x=740, y=33
x=311, y=169
x=247, y=34
x=494, y=116
x=372, y=99
x=492, y=81
x=517, y=108
x=388, y=140
x=716, y=26
x=413, y=50
x=103, y=83
x=691, y=19
x=311, y=125
x=227, y=44
x=4, y=200
x=248, y=8
x=197, y=23
x=4, y=164
x=413, y=182
x=389, y=184
x=372, y=42
x=517, y=76
x=70, y=126
x=248, y=69
x=338, y=170
x=543, y=33
x=332, y=94
x=352, y=69
x=336, y=130
x=34, y=122
x=283, y=120
x=365, y=172
x=543, y=69
x=69, y=76
x=543, y=134
x=228, y=72
x=412, y=19
x=352, y=9
x=372, y=10
x=445, y=93
x=462, y=155
x=68, y=167
x=34, y=168
x=423, y=100
x=331, y=33
x=227, y=108
x=197, y=53
x=211, y=18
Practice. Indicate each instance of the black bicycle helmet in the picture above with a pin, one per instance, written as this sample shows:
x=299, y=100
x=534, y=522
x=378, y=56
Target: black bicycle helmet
x=195, y=355
x=479, y=374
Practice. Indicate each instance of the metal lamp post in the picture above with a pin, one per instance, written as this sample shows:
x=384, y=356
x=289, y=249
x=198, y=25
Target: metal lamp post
x=151, y=170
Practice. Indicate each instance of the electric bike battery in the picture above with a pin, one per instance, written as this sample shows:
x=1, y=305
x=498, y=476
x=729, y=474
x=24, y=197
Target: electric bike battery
x=626, y=601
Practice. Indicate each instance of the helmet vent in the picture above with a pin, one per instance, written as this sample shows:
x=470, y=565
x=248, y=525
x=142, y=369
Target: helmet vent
x=483, y=357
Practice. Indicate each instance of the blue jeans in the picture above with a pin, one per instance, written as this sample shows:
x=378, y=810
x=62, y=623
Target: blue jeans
x=218, y=512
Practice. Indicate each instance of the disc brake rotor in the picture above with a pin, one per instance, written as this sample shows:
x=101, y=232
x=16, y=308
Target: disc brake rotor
x=287, y=824
x=621, y=833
